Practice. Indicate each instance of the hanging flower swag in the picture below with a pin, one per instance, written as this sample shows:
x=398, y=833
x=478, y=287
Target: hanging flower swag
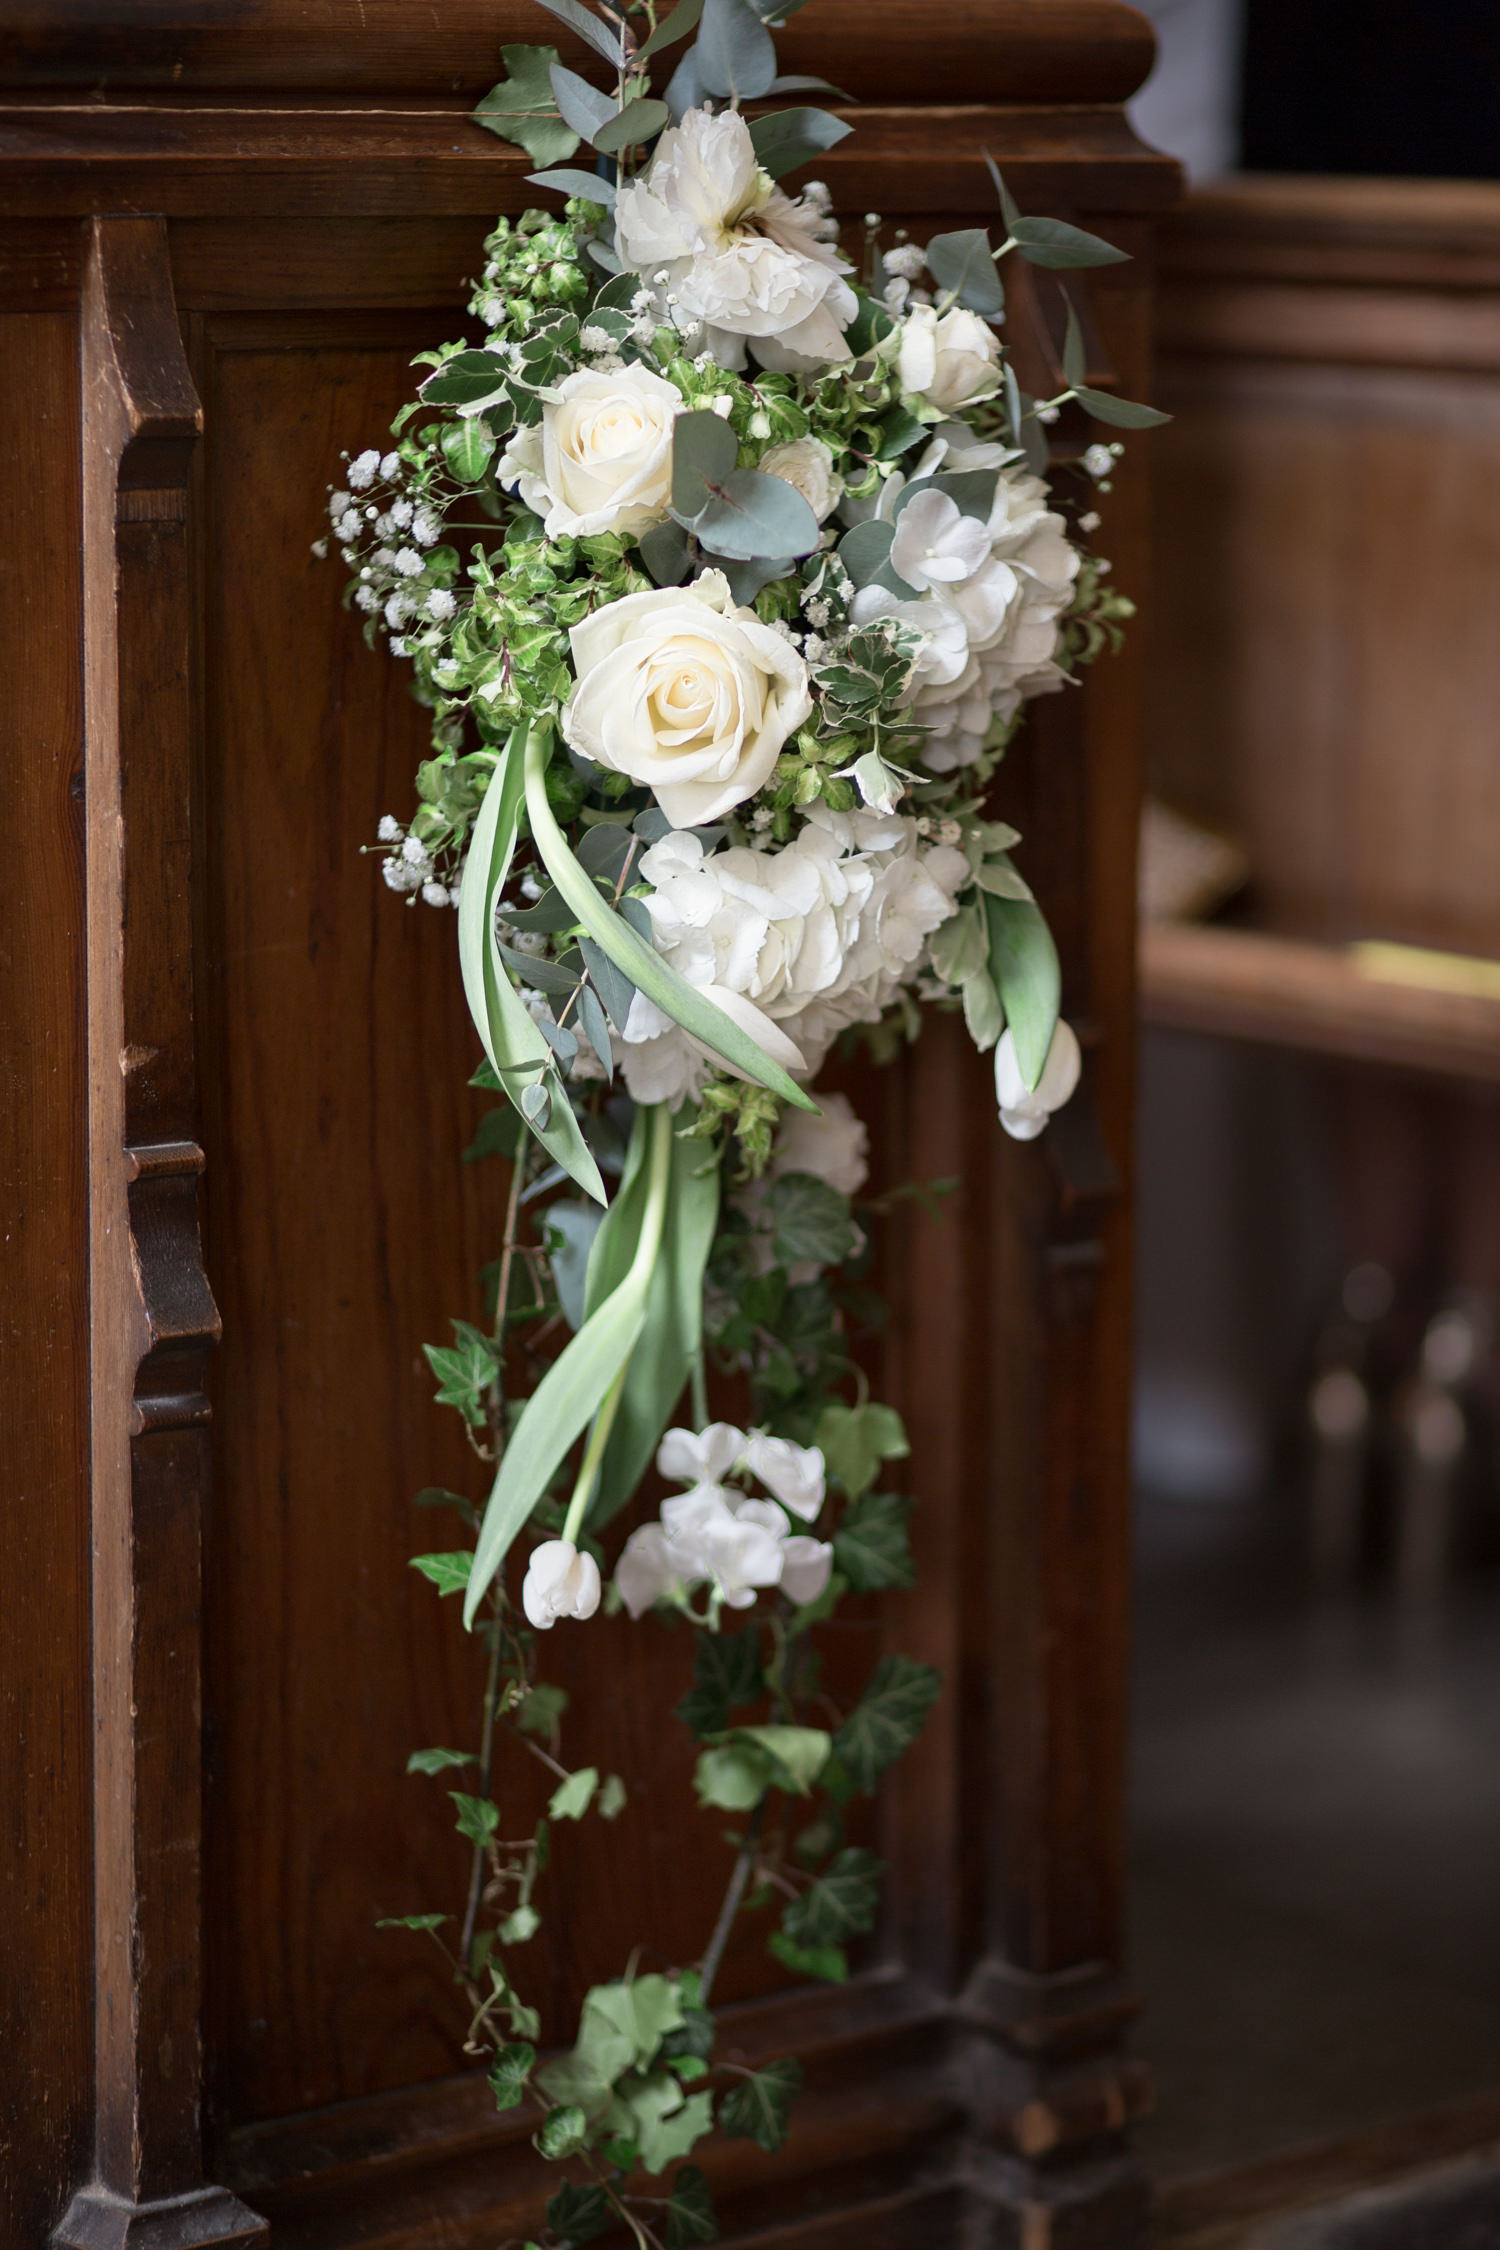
x=727, y=579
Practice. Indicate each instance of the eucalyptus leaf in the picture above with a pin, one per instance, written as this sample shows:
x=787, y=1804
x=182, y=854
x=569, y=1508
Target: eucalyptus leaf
x=1074, y=357
x=750, y=515
x=704, y=450
x=963, y=266
x=1008, y=208
x=789, y=137
x=1001, y=880
x=603, y=38
x=682, y=20
x=685, y=89
x=1052, y=242
x=866, y=550
x=571, y=1228
x=595, y=1028
x=542, y=976
x=582, y=105
x=640, y=120
x=665, y=553
x=1023, y=961
x=567, y=179
x=614, y=988
x=1119, y=413
x=971, y=490
x=798, y=82
x=736, y=53
x=747, y=578
x=521, y=107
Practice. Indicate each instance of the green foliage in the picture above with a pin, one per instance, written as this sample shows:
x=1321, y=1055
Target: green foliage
x=870, y=1544
x=789, y=137
x=855, y=1440
x=726, y=1672
x=887, y=1719
x=449, y=1573
x=438, y=1761
x=577, y=2214
x=1028, y=975
x=465, y=1371
x=739, y=513
x=509, y=2072
x=827, y=1964
x=477, y=1817
x=562, y=2133
x=572, y=1798
x=810, y=1221
x=521, y=107
x=963, y=266
x=690, y=2211
x=840, y=1903
x=759, y=2108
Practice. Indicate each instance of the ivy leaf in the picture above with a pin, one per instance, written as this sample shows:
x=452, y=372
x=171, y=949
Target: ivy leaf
x=612, y=1798
x=726, y=1671
x=796, y=1754
x=438, y=1761
x=668, y=2124
x=827, y=1963
x=854, y=1440
x=962, y=266
x=571, y=1800
x=1052, y=242
x=449, y=1573
x=412, y=1921
x=842, y=1903
x=468, y=449
x=690, y=2211
x=465, y=1371
x=731, y=1776
x=759, y=2108
x=563, y=2133
x=542, y=1709
x=499, y=1134
x=811, y=1221
x=870, y=1545
x=577, y=2214
x=521, y=108
x=887, y=1719
x=477, y=1819
x=508, y=2075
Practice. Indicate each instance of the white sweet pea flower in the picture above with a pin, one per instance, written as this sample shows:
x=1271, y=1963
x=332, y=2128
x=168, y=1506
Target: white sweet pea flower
x=807, y=465
x=701, y=1456
x=600, y=459
x=793, y=1474
x=1024, y=1110
x=646, y=1570
x=686, y=693
x=722, y=246
x=806, y=1565
x=560, y=1582
x=951, y=359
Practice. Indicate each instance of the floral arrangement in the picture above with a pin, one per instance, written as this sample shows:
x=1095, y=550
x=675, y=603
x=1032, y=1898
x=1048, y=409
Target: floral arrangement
x=726, y=577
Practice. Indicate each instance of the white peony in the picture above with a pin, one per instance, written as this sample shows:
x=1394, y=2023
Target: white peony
x=560, y=1582
x=808, y=939
x=722, y=246
x=989, y=610
x=951, y=359
x=601, y=457
x=806, y=464
x=1025, y=1110
x=682, y=691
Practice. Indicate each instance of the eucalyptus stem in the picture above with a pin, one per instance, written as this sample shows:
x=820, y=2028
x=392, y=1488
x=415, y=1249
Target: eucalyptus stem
x=733, y=1898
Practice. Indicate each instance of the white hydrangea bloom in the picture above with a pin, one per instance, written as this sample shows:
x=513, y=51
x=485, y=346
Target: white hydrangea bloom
x=796, y=943
x=989, y=608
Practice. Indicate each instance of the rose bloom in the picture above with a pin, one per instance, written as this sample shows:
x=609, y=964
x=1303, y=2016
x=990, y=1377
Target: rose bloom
x=952, y=359
x=601, y=457
x=682, y=691
x=807, y=465
x=721, y=244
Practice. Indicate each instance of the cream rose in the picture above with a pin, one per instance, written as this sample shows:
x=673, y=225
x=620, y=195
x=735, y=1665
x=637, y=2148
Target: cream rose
x=952, y=359
x=807, y=465
x=682, y=691
x=601, y=457
x=722, y=245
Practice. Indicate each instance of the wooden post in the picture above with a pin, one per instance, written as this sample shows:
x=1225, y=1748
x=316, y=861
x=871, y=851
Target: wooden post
x=152, y=1318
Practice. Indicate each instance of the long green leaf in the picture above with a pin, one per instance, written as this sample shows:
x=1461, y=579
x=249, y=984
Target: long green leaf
x=672, y=1330
x=511, y=1040
x=641, y=962
x=1023, y=960
x=576, y=1384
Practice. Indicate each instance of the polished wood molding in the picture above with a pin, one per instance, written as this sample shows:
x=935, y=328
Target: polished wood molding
x=152, y=1317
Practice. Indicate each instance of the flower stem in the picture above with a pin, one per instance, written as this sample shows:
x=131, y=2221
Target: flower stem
x=733, y=1898
x=486, y=1766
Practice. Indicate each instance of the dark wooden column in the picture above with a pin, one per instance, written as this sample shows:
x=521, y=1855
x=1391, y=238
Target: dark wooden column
x=152, y=1318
